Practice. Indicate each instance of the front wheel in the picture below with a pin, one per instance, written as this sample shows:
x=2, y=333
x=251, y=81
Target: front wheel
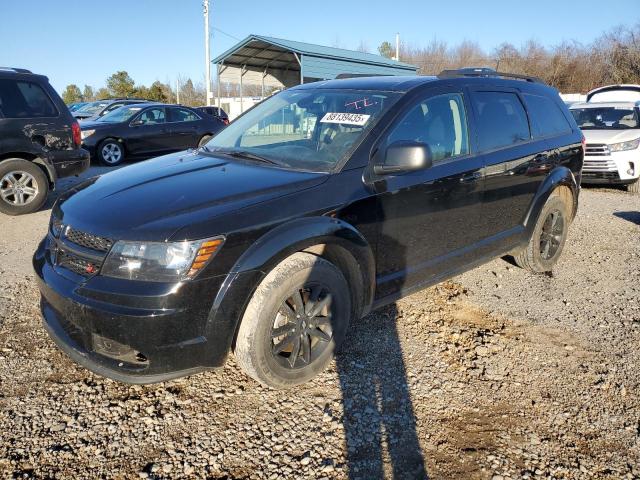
x=634, y=187
x=203, y=141
x=23, y=187
x=111, y=152
x=295, y=321
x=549, y=236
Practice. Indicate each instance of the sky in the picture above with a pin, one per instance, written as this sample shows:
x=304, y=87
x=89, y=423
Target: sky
x=85, y=41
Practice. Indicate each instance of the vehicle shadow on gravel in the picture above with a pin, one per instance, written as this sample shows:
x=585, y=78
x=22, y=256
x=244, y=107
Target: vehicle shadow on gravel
x=633, y=217
x=379, y=420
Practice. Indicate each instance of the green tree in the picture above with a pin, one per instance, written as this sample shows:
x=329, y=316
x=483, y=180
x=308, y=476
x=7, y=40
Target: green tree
x=72, y=94
x=157, y=92
x=120, y=84
x=386, y=50
x=102, y=94
x=87, y=94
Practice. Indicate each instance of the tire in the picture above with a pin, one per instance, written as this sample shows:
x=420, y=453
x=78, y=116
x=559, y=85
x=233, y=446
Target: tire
x=111, y=152
x=549, y=236
x=23, y=187
x=267, y=357
x=203, y=140
x=634, y=187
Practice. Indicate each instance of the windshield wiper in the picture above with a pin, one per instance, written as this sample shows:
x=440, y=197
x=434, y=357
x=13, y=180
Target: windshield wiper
x=245, y=154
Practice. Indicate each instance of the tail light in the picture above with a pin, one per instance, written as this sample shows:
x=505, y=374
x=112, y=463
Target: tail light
x=225, y=121
x=75, y=130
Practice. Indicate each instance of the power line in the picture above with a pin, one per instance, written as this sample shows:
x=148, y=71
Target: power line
x=225, y=33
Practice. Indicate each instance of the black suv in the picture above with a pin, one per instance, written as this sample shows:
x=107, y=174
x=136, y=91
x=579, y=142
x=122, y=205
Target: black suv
x=39, y=141
x=323, y=202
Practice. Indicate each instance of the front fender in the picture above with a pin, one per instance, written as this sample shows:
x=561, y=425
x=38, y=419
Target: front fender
x=269, y=250
x=560, y=176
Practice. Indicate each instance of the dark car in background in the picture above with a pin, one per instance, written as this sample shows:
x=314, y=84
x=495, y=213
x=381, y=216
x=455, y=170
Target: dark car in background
x=321, y=203
x=146, y=129
x=95, y=110
x=39, y=141
x=215, y=112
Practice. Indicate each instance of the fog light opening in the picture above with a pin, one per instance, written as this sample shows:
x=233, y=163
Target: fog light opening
x=140, y=357
x=631, y=170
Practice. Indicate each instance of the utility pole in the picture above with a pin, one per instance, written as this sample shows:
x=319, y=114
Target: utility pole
x=205, y=5
x=397, y=59
x=177, y=91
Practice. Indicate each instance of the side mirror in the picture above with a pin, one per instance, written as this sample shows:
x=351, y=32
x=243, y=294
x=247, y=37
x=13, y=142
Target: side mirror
x=137, y=123
x=402, y=157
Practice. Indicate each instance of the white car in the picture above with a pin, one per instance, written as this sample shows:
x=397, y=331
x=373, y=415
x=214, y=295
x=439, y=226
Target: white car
x=610, y=122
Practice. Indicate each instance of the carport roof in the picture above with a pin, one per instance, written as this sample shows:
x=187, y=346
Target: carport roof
x=260, y=52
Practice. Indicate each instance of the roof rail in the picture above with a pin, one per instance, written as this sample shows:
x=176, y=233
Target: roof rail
x=17, y=70
x=486, y=72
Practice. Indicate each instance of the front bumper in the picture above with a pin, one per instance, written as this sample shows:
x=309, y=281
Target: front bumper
x=142, y=333
x=611, y=168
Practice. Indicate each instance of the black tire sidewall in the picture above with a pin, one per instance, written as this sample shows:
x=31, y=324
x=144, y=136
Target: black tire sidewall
x=41, y=179
x=102, y=144
x=554, y=203
x=266, y=368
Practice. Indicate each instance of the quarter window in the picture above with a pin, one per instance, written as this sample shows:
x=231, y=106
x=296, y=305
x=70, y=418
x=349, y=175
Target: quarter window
x=502, y=120
x=182, y=115
x=439, y=122
x=25, y=100
x=546, y=117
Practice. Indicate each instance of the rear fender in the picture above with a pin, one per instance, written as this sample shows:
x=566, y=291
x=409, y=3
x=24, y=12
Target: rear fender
x=560, y=176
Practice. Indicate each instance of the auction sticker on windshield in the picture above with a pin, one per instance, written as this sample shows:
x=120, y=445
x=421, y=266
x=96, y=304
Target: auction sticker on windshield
x=345, y=118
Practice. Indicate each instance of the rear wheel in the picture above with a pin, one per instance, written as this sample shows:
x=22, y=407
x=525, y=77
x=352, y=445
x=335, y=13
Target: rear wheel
x=111, y=152
x=204, y=140
x=23, y=187
x=549, y=236
x=634, y=187
x=294, y=323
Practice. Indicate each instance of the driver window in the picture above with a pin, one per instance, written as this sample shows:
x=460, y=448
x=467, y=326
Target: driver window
x=438, y=121
x=152, y=116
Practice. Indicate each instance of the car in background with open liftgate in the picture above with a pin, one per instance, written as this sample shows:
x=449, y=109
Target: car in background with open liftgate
x=610, y=121
x=323, y=202
x=39, y=141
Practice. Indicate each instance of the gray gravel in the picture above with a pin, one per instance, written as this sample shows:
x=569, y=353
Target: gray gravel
x=495, y=374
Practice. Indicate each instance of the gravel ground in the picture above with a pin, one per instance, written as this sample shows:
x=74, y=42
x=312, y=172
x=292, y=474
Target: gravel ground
x=495, y=374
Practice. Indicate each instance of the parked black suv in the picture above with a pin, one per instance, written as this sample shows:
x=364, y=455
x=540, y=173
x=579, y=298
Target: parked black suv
x=39, y=141
x=215, y=112
x=323, y=202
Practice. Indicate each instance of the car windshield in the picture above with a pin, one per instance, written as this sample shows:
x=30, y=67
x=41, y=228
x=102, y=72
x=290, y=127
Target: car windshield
x=92, y=107
x=304, y=129
x=118, y=115
x=606, y=118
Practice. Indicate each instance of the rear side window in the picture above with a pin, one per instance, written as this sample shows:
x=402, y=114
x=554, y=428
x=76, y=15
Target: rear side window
x=546, y=117
x=25, y=100
x=502, y=120
x=440, y=122
x=182, y=115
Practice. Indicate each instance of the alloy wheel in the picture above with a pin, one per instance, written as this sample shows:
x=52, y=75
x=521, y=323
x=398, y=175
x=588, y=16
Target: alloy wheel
x=302, y=329
x=111, y=153
x=551, y=235
x=18, y=188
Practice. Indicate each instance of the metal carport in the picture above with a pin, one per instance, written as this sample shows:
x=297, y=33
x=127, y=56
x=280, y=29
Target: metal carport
x=283, y=63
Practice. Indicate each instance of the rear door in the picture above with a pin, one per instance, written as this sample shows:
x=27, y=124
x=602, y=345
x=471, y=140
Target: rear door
x=515, y=163
x=183, y=128
x=429, y=220
x=147, y=132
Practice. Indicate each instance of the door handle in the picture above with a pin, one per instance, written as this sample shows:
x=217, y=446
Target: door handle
x=470, y=177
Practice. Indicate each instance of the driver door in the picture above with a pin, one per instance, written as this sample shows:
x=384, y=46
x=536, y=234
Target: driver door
x=148, y=132
x=429, y=220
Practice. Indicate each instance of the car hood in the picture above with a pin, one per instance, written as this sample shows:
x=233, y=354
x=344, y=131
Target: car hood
x=154, y=199
x=610, y=136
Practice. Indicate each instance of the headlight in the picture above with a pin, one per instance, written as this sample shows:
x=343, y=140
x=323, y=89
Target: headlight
x=86, y=133
x=159, y=261
x=621, y=147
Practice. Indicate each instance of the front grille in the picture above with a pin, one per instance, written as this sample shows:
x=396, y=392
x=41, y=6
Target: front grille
x=75, y=263
x=88, y=240
x=597, y=150
x=610, y=176
x=599, y=165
